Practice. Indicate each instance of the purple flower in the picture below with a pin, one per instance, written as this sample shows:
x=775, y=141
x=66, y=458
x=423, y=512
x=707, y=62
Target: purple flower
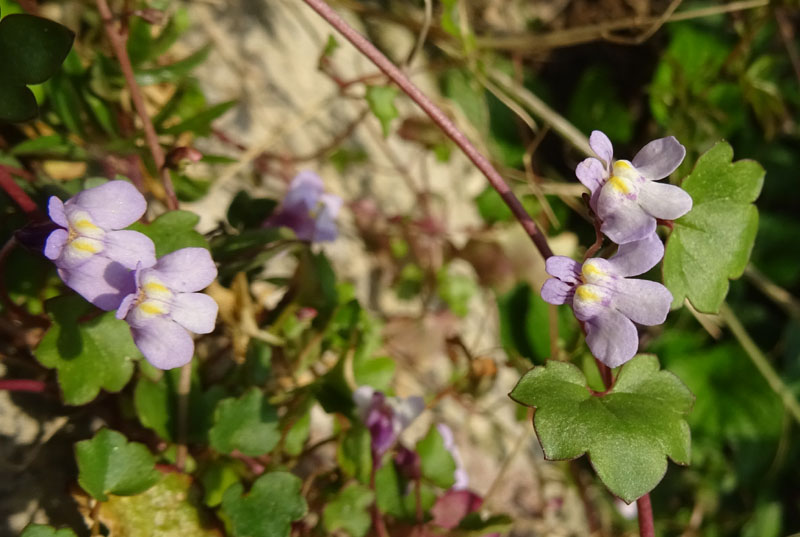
x=625, y=195
x=93, y=253
x=385, y=417
x=164, y=306
x=606, y=300
x=308, y=210
x=460, y=474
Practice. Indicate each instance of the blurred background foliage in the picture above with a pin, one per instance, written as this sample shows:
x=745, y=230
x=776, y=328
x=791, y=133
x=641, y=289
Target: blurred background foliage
x=636, y=69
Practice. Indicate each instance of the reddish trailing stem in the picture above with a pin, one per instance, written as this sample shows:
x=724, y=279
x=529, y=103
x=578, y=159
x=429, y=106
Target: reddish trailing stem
x=435, y=113
x=19, y=196
x=117, y=40
x=645, y=511
x=22, y=385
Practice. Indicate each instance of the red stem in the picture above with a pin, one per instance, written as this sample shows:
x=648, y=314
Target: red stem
x=16, y=193
x=22, y=385
x=117, y=40
x=645, y=511
x=435, y=113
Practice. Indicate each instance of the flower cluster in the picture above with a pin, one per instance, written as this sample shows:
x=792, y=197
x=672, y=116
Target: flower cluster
x=116, y=269
x=308, y=210
x=628, y=201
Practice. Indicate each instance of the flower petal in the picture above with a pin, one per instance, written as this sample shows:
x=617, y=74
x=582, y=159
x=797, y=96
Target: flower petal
x=659, y=158
x=195, y=312
x=642, y=301
x=55, y=243
x=163, y=342
x=407, y=409
x=186, y=270
x=602, y=147
x=113, y=205
x=623, y=219
x=362, y=397
x=304, y=191
x=591, y=173
x=637, y=257
x=130, y=248
x=612, y=338
x=99, y=280
x=565, y=269
x=556, y=292
x=55, y=208
x=325, y=229
x=667, y=202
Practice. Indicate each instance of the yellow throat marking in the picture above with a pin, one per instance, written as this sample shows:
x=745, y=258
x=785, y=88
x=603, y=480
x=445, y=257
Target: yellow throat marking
x=587, y=294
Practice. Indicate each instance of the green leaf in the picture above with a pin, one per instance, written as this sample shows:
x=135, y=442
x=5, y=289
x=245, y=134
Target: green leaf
x=172, y=231
x=436, y=462
x=152, y=403
x=109, y=464
x=455, y=290
x=173, y=72
x=88, y=355
x=248, y=212
x=248, y=424
x=269, y=509
x=381, y=102
x=17, y=102
x=200, y=123
x=349, y=511
x=712, y=243
x=298, y=434
x=627, y=433
x=354, y=455
x=53, y=145
x=171, y=508
x=40, y=530
x=595, y=101
x=32, y=48
x=377, y=372
x=216, y=479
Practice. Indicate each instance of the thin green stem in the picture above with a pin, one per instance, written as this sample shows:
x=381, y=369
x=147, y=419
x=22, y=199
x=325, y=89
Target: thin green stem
x=760, y=361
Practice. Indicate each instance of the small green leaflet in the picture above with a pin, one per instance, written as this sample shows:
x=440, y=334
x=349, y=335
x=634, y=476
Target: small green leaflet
x=40, y=530
x=348, y=511
x=381, y=102
x=436, y=463
x=172, y=231
x=248, y=424
x=628, y=433
x=712, y=243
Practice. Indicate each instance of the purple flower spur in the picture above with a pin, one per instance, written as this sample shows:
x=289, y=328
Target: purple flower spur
x=385, y=417
x=94, y=255
x=607, y=301
x=164, y=306
x=625, y=194
x=308, y=210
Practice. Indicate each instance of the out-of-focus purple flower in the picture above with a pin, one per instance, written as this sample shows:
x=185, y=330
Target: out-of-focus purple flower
x=408, y=463
x=165, y=305
x=606, y=300
x=460, y=474
x=625, y=194
x=93, y=253
x=308, y=210
x=385, y=417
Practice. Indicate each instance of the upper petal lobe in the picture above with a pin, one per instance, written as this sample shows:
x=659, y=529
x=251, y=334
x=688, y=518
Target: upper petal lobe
x=196, y=312
x=186, y=270
x=113, y=205
x=659, y=158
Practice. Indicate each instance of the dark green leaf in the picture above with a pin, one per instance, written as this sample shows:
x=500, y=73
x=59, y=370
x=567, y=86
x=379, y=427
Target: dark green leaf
x=627, y=433
x=595, y=101
x=248, y=424
x=269, y=509
x=32, y=48
x=152, y=401
x=172, y=231
x=354, y=455
x=17, y=102
x=248, y=212
x=216, y=479
x=173, y=72
x=712, y=243
x=109, y=464
x=88, y=355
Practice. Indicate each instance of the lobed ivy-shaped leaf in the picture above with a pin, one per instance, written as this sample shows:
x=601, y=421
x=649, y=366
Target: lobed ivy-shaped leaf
x=109, y=464
x=348, y=511
x=248, y=424
x=712, y=243
x=628, y=433
x=269, y=509
x=31, y=51
x=87, y=354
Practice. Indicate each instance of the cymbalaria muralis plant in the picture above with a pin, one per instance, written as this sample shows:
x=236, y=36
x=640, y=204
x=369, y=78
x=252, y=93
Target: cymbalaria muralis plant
x=243, y=363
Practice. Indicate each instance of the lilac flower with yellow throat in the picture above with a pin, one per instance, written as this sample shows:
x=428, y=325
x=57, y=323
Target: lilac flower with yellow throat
x=165, y=307
x=385, y=417
x=626, y=195
x=94, y=255
x=607, y=301
x=308, y=210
